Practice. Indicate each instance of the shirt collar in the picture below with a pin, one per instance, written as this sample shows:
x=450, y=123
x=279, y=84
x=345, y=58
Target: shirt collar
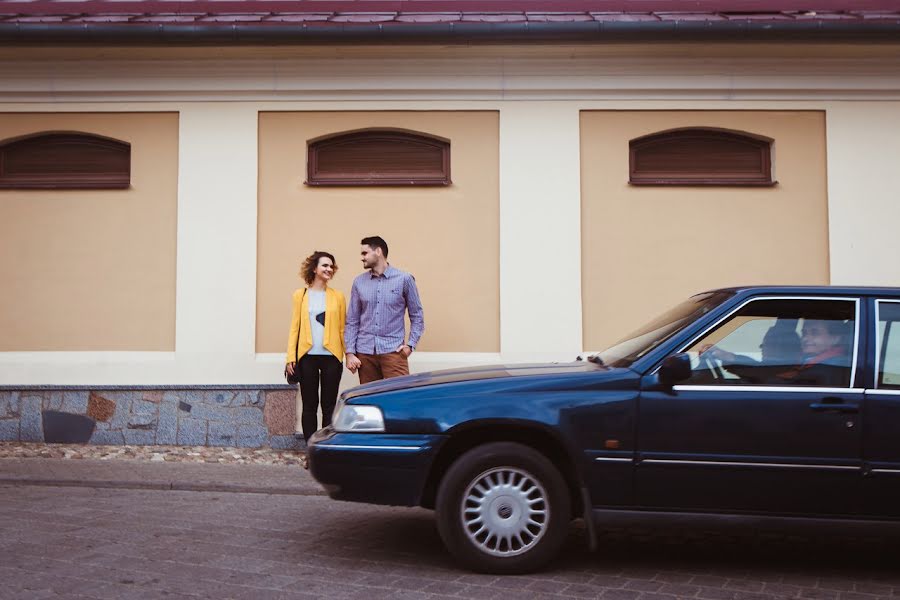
x=388, y=273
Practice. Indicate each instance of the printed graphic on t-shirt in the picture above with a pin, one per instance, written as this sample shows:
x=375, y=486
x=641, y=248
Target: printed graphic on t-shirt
x=321, y=318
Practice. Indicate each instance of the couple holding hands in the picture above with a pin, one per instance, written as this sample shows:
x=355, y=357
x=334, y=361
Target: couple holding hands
x=370, y=331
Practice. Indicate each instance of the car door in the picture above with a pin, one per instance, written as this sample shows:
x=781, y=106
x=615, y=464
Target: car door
x=755, y=430
x=881, y=434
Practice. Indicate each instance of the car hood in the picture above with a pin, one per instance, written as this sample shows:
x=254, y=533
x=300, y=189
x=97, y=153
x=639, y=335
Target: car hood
x=470, y=374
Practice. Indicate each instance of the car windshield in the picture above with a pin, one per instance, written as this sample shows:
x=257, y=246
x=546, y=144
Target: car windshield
x=624, y=352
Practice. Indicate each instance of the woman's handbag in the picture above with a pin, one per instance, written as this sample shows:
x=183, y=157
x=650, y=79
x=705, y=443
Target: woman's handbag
x=295, y=378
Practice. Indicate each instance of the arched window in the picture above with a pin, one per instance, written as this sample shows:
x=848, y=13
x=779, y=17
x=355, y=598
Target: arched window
x=378, y=157
x=64, y=160
x=700, y=156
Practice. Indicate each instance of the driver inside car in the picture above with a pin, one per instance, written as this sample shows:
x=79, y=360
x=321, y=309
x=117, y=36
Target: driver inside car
x=780, y=348
x=826, y=361
x=816, y=357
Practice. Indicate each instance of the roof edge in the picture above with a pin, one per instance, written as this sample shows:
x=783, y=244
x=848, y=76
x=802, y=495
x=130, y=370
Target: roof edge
x=117, y=34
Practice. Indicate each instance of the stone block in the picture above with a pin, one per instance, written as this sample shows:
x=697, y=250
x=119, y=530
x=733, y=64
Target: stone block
x=122, y=400
x=9, y=430
x=123, y=397
x=190, y=396
x=11, y=403
x=285, y=442
x=252, y=436
x=53, y=400
x=142, y=421
x=167, y=426
x=140, y=437
x=5, y=408
x=99, y=408
x=247, y=415
x=209, y=412
x=191, y=432
x=75, y=402
x=107, y=438
x=280, y=413
x=154, y=396
x=144, y=407
x=30, y=422
x=249, y=398
x=219, y=398
x=222, y=434
x=66, y=428
x=173, y=397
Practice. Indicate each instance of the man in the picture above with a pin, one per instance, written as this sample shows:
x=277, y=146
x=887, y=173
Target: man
x=376, y=329
x=826, y=361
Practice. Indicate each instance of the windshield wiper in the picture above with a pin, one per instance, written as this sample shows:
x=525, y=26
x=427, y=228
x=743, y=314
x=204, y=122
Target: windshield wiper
x=595, y=358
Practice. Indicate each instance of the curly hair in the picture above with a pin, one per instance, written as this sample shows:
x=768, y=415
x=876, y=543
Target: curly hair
x=308, y=269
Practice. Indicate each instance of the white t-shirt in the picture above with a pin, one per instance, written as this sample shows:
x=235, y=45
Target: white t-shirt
x=316, y=308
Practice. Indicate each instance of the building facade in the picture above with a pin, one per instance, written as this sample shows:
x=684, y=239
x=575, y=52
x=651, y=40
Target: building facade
x=156, y=310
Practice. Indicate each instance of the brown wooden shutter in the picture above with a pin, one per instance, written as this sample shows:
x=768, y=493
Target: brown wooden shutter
x=379, y=157
x=700, y=156
x=65, y=161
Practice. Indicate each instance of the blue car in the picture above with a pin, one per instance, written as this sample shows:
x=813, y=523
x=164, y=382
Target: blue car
x=763, y=401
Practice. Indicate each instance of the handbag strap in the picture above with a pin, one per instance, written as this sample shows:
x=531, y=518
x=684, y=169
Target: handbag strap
x=299, y=323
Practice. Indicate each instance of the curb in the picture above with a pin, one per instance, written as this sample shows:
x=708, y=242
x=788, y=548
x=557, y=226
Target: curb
x=161, y=485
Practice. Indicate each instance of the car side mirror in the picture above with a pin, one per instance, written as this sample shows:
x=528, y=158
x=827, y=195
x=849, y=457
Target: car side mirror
x=675, y=368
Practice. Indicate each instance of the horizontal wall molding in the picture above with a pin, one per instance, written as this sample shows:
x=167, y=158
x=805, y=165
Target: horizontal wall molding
x=185, y=370
x=457, y=77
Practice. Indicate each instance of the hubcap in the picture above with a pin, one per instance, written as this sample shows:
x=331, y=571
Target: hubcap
x=505, y=511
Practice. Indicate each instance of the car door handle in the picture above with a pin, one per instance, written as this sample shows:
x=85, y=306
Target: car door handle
x=834, y=405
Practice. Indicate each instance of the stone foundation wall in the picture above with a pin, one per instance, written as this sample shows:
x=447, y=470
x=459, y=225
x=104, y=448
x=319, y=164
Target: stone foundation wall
x=246, y=417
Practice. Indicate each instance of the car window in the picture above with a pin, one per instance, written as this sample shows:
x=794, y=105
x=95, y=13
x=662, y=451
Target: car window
x=629, y=349
x=889, y=345
x=779, y=342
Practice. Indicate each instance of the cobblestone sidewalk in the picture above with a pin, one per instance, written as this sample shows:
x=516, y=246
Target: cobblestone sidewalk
x=182, y=454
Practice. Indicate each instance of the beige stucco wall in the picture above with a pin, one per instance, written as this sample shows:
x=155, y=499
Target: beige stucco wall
x=646, y=248
x=446, y=236
x=93, y=269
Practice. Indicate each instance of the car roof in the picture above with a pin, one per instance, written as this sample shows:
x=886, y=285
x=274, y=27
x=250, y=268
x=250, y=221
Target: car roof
x=811, y=289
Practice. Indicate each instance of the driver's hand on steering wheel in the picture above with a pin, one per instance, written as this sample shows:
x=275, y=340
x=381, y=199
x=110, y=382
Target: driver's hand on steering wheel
x=715, y=353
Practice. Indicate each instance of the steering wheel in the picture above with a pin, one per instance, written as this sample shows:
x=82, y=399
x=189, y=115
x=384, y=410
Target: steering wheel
x=713, y=366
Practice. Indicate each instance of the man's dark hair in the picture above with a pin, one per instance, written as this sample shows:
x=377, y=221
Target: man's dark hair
x=375, y=241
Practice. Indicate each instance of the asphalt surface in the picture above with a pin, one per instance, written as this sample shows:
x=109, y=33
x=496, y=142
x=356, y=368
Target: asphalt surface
x=135, y=529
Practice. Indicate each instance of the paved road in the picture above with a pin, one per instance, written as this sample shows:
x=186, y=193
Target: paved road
x=108, y=543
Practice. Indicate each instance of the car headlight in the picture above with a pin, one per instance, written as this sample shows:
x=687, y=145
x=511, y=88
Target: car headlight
x=358, y=418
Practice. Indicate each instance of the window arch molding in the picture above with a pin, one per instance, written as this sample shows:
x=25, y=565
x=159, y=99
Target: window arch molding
x=378, y=156
x=701, y=156
x=60, y=160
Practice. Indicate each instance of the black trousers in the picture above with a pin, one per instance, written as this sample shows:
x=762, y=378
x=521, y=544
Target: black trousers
x=316, y=369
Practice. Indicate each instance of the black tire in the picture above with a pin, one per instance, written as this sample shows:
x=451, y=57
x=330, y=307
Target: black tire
x=519, y=492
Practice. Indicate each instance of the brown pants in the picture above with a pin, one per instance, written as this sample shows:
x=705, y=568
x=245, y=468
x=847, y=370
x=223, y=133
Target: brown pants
x=382, y=366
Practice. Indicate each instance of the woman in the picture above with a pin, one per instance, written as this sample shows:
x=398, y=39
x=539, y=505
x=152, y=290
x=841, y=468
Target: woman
x=316, y=339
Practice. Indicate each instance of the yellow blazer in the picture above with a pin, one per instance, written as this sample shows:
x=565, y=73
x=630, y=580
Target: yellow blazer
x=335, y=320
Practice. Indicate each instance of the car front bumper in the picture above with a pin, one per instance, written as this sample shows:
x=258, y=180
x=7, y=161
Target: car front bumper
x=377, y=468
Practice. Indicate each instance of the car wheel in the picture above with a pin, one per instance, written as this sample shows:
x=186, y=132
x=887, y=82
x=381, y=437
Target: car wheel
x=503, y=508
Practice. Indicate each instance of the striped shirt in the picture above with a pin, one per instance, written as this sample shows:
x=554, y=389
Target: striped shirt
x=375, y=317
